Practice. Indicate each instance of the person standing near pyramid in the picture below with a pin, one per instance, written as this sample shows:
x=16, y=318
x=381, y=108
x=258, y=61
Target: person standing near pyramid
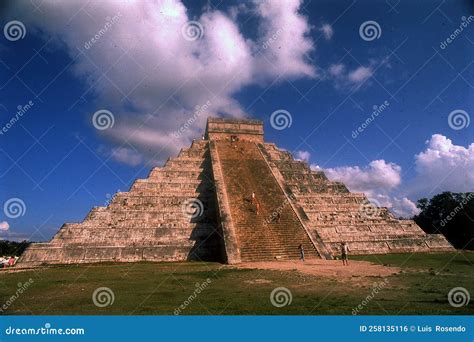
x=301, y=248
x=344, y=252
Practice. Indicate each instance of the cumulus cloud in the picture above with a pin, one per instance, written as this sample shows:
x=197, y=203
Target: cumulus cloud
x=303, y=155
x=377, y=180
x=403, y=207
x=285, y=56
x=4, y=226
x=141, y=61
x=443, y=166
x=377, y=175
x=327, y=31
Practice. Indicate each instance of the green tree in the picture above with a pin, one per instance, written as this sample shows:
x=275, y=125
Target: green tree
x=451, y=214
x=12, y=248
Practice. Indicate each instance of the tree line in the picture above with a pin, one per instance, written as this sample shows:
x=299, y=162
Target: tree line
x=12, y=248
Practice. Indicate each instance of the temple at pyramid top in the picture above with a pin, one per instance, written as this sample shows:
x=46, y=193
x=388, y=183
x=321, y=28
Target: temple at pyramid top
x=226, y=129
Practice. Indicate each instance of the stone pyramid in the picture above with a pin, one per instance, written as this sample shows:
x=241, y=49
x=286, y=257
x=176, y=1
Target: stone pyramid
x=198, y=206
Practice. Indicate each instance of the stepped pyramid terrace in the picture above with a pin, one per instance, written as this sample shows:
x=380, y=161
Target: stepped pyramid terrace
x=199, y=206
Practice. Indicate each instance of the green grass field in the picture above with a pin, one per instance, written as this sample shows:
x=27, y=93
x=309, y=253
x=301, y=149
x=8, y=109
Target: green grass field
x=162, y=288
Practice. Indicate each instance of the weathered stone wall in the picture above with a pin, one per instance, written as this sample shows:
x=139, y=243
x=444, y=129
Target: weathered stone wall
x=224, y=129
x=148, y=222
x=227, y=226
x=335, y=215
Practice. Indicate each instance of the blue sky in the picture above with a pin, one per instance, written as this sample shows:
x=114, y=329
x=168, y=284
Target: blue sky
x=310, y=59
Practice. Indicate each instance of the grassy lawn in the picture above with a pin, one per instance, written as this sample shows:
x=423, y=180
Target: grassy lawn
x=161, y=288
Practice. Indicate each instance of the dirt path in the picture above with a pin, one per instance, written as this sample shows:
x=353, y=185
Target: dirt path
x=326, y=268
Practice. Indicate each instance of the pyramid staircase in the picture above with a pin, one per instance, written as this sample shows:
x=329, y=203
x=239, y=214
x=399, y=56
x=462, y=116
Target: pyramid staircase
x=260, y=236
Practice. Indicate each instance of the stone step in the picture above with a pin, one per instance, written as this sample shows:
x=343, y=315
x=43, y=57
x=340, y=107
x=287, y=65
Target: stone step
x=141, y=225
x=241, y=177
x=156, y=187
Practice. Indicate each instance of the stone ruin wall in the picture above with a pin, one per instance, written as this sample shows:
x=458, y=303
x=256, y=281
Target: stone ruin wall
x=147, y=222
x=222, y=129
x=334, y=215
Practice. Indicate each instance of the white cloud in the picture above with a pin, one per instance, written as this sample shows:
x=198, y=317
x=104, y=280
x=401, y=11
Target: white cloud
x=126, y=155
x=377, y=181
x=303, y=155
x=327, y=31
x=360, y=75
x=337, y=69
x=143, y=70
x=377, y=175
x=286, y=56
x=403, y=207
x=443, y=166
x=4, y=226
x=344, y=78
